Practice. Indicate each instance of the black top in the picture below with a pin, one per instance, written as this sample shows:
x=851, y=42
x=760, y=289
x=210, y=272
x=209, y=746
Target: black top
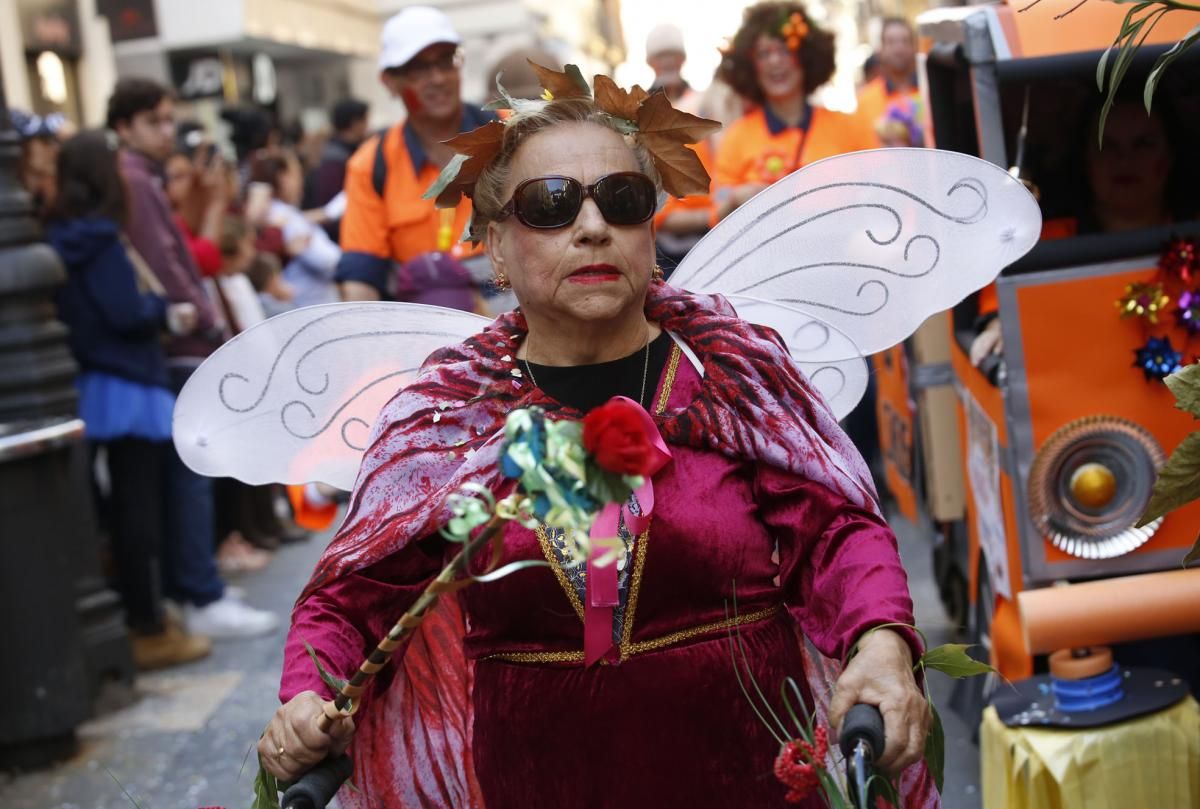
x=584, y=387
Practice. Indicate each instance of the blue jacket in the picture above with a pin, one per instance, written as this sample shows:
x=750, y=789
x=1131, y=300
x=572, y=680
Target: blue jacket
x=114, y=328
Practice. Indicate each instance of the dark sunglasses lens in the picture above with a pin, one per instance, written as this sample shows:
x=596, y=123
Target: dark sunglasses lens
x=549, y=203
x=626, y=199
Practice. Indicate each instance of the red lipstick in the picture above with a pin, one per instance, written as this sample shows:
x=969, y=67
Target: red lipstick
x=594, y=274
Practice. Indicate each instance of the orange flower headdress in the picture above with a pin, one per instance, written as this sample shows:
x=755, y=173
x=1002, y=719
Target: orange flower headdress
x=793, y=30
x=664, y=131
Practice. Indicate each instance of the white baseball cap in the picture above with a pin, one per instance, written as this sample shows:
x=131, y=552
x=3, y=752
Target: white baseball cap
x=664, y=38
x=411, y=31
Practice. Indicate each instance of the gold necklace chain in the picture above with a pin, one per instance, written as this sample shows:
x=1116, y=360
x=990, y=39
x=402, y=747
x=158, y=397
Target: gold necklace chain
x=645, y=367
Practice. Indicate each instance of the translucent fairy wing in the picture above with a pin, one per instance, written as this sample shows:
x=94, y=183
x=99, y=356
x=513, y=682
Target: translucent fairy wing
x=828, y=358
x=293, y=399
x=870, y=243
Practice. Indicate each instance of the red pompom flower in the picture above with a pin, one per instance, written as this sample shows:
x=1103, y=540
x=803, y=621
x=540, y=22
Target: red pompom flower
x=615, y=434
x=799, y=763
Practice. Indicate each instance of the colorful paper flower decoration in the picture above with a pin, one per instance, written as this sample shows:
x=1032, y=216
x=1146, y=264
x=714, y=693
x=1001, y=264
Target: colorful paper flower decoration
x=1181, y=260
x=1144, y=300
x=1157, y=358
x=1188, y=311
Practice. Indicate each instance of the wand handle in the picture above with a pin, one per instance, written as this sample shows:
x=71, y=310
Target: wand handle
x=448, y=581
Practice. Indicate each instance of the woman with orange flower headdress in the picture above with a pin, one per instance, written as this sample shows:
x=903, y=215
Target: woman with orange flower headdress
x=777, y=60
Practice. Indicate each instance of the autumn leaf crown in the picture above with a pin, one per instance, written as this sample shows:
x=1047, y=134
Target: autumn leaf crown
x=662, y=130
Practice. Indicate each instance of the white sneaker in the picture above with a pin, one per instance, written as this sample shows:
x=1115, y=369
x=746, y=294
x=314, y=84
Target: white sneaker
x=235, y=592
x=229, y=618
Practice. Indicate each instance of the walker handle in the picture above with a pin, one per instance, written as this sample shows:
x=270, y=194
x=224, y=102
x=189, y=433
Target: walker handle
x=316, y=788
x=866, y=723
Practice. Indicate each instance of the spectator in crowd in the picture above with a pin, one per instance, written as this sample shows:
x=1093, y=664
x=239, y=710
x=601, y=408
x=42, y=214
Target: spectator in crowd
x=778, y=59
x=41, y=138
x=196, y=185
x=891, y=99
x=142, y=113
x=117, y=311
x=267, y=277
x=312, y=257
x=349, y=120
x=666, y=54
x=386, y=219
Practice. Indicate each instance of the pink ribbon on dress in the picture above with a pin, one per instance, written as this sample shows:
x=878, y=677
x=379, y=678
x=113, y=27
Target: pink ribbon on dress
x=602, y=594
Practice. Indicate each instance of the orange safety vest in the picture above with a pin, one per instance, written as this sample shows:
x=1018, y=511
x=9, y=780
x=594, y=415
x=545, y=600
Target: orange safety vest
x=386, y=219
x=875, y=98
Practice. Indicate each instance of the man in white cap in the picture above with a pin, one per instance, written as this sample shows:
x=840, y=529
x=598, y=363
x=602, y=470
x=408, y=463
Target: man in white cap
x=386, y=221
x=666, y=54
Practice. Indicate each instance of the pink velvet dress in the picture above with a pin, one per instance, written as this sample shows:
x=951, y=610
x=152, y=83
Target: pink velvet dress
x=668, y=725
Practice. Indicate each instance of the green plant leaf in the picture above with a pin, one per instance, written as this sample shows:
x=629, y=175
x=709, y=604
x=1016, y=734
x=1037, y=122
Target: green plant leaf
x=935, y=748
x=952, y=659
x=449, y=173
x=266, y=790
x=1178, y=481
x=1102, y=65
x=1130, y=43
x=1164, y=61
x=335, y=683
x=1185, y=385
x=1193, y=554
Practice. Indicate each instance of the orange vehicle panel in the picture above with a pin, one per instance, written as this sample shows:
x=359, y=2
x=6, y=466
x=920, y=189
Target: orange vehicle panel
x=1090, y=27
x=895, y=414
x=1009, y=654
x=1079, y=362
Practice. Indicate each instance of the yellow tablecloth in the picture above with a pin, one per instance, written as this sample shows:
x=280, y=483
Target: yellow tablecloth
x=1152, y=761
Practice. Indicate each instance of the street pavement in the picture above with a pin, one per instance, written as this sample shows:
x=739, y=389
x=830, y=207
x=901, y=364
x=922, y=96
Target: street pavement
x=183, y=743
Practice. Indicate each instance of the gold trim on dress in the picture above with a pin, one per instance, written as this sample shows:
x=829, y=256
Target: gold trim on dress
x=669, y=381
x=638, y=546
x=629, y=650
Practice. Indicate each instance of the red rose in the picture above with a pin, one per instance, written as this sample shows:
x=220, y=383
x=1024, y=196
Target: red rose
x=614, y=433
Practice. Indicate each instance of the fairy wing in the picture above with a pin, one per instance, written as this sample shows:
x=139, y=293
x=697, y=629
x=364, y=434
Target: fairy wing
x=293, y=399
x=848, y=256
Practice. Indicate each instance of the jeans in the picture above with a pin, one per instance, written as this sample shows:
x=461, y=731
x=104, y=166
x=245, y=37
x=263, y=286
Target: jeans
x=189, y=566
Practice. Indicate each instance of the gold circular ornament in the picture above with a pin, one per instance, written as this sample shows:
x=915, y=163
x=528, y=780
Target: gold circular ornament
x=1093, y=485
x=1089, y=484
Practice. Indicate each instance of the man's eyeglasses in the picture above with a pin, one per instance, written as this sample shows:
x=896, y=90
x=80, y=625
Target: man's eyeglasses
x=422, y=68
x=624, y=198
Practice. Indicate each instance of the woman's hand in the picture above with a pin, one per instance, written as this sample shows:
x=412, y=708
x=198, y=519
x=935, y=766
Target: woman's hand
x=294, y=743
x=987, y=342
x=881, y=674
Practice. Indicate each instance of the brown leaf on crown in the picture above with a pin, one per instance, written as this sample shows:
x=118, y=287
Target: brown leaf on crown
x=616, y=101
x=656, y=116
x=681, y=170
x=560, y=84
x=481, y=146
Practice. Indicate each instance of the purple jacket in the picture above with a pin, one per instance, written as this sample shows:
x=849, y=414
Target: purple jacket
x=153, y=233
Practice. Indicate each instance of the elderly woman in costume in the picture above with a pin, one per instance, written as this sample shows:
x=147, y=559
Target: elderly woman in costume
x=493, y=702
x=777, y=60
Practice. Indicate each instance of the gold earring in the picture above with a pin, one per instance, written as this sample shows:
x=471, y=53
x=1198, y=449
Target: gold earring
x=502, y=281
x=657, y=273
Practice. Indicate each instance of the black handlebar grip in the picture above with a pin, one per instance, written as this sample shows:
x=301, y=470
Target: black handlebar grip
x=866, y=723
x=316, y=788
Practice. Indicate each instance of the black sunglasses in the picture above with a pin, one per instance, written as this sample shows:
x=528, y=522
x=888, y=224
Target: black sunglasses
x=624, y=198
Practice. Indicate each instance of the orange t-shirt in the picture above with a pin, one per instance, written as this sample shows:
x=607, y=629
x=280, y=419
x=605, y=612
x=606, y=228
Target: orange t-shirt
x=398, y=225
x=874, y=99
x=758, y=148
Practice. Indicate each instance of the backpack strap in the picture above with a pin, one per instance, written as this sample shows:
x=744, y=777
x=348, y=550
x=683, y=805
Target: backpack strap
x=379, y=170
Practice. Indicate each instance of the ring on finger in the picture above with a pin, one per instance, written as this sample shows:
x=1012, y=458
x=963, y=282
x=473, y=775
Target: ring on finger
x=282, y=751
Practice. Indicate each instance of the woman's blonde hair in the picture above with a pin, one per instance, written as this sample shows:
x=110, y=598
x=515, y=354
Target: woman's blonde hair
x=530, y=118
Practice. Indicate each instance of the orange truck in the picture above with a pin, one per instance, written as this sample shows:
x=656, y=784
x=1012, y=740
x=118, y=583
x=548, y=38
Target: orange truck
x=1034, y=468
